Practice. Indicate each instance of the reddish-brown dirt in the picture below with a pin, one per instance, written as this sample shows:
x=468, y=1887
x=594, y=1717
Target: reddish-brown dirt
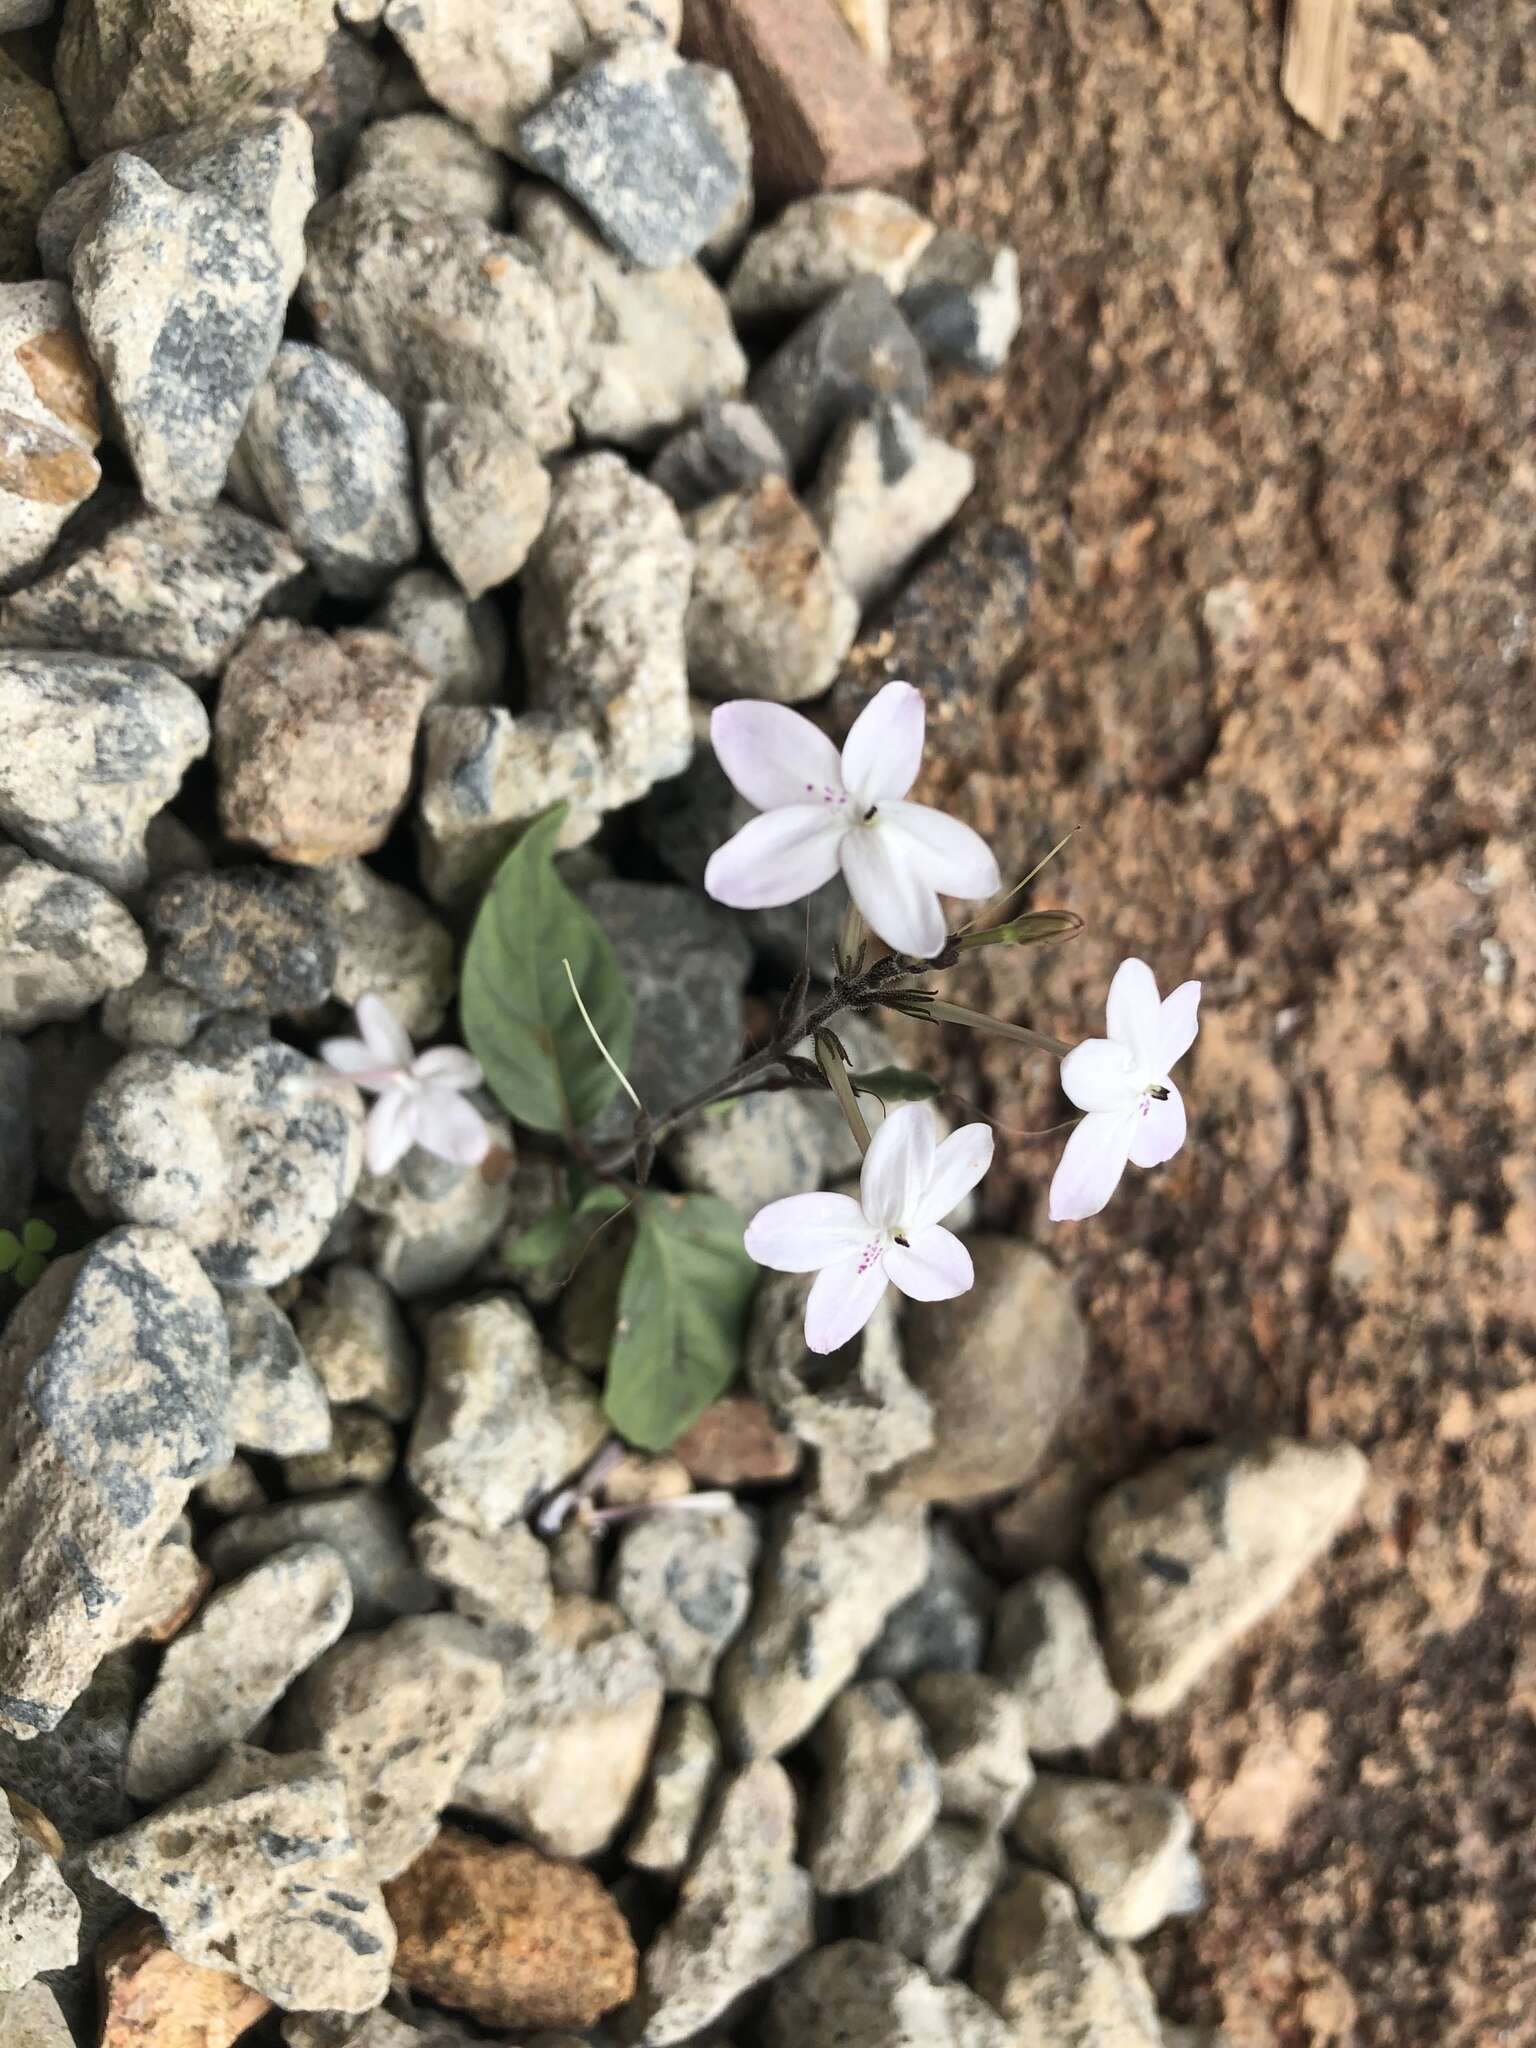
x=1269, y=427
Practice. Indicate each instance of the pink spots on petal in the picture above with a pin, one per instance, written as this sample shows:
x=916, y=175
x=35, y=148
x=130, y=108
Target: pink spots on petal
x=870, y=1256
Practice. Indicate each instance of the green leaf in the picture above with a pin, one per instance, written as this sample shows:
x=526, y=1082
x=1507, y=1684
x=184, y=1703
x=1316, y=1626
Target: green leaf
x=896, y=1084
x=38, y=1236
x=563, y=1233
x=682, y=1318
x=10, y=1250
x=520, y=1018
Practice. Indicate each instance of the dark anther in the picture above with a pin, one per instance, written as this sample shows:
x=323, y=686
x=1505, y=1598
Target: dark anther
x=1158, y=1094
x=902, y=1241
x=870, y=812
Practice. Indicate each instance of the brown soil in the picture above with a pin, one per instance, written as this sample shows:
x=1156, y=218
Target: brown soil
x=1269, y=428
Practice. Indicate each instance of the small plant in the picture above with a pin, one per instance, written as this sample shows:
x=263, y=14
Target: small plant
x=25, y=1258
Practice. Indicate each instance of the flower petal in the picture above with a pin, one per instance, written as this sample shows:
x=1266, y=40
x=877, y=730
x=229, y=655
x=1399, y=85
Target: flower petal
x=447, y=1066
x=884, y=747
x=803, y=1233
x=1102, y=1074
x=842, y=1299
x=956, y=860
x=451, y=1128
x=774, y=756
x=897, y=901
x=390, y=1130
x=777, y=858
x=359, y=1062
x=1089, y=1169
x=898, y=1166
x=1132, y=1012
x=933, y=1265
x=1177, y=1023
x=958, y=1165
x=388, y=1040
x=1160, y=1129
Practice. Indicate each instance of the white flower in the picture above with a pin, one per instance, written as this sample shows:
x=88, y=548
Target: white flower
x=890, y=1235
x=822, y=812
x=421, y=1100
x=1135, y=1113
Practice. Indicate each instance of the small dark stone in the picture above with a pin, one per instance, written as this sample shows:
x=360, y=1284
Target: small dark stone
x=727, y=448
x=851, y=353
x=962, y=301
x=244, y=939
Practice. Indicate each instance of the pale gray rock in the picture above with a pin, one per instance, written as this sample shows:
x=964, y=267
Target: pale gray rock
x=277, y=1400
x=822, y=242
x=745, y=1910
x=770, y=615
x=431, y=1223
x=168, y=1590
x=500, y=1422
x=398, y=1713
x=753, y=1151
x=256, y=1873
x=485, y=493
x=65, y=942
x=851, y=353
x=943, y=1626
x=822, y=1599
x=438, y=306
x=355, y=1338
x=182, y=308
x=128, y=69
x=388, y=944
x=33, y=2017
x=95, y=747
x=685, y=1582
x=363, y=1527
x=362, y=1452
x=328, y=459
x=489, y=62
x=1126, y=1850
x=257, y=161
x=632, y=18
x=436, y=159
x=502, y=1577
x=48, y=423
x=462, y=646
x=1054, y=1982
x=885, y=488
x=155, y=1012
x=605, y=593
x=250, y=1153
x=648, y=348
x=678, y=1791
x=980, y=1737
x=226, y=1671
x=79, y=1766
x=729, y=447
x=855, y=1407
x=1191, y=1554
x=637, y=139
x=243, y=938
x=962, y=301
x=1045, y=1649
x=233, y=1490
x=114, y=1372
x=855, y=1995
x=929, y=1907
x=39, y=1914
x=564, y=1757
x=177, y=588
x=726, y=113
x=878, y=1794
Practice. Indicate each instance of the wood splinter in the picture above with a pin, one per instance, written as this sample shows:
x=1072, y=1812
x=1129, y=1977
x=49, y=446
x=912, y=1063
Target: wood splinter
x=1315, y=75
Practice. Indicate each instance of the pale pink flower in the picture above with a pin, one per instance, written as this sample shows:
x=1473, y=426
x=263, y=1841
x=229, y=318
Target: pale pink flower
x=421, y=1095
x=890, y=1236
x=822, y=812
x=1135, y=1114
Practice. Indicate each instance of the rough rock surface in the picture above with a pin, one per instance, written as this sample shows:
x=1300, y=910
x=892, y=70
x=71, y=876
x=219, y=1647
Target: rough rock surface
x=1195, y=1551
x=177, y=588
x=604, y=598
x=293, y=702
x=152, y=1999
x=853, y=352
x=980, y=1739
x=39, y=1915
x=33, y=2018
x=249, y=1151
x=1051, y=1979
x=432, y=1222
x=48, y=423
x=962, y=301
x=685, y=1582
x=484, y=490
x=678, y=1792
x=856, y=1995
x=462, y=646
x=745, y=1910
x=242, y=938
x=116, y=1371
x=879, y=1791
x=825, y=1591
x=361, y=1524
x=885, y=487
x=230, y=1666
x=398, y=1713
x=487, y=63
x=1045, y=1649
x=819, y=244
x=929, y=1907
x=65, y=942
x=277, y=1400
x=502, y=1577
x=97, y=746
x=361, y=1452
x=736, y=1442
x=729, y=447
x=1124, y=1849
x=182, y=308
x=255, y=1872
x=943, y=1626
x=36, y=157
x=509, y=1936
x=431, y=154
x=355, y=1337
x=388, y=944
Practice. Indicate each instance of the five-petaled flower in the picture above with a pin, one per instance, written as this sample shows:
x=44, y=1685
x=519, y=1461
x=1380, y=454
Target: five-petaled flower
x=822, y=812
x=1134, y=1112
x=890, y=1236
x=421, y=1095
